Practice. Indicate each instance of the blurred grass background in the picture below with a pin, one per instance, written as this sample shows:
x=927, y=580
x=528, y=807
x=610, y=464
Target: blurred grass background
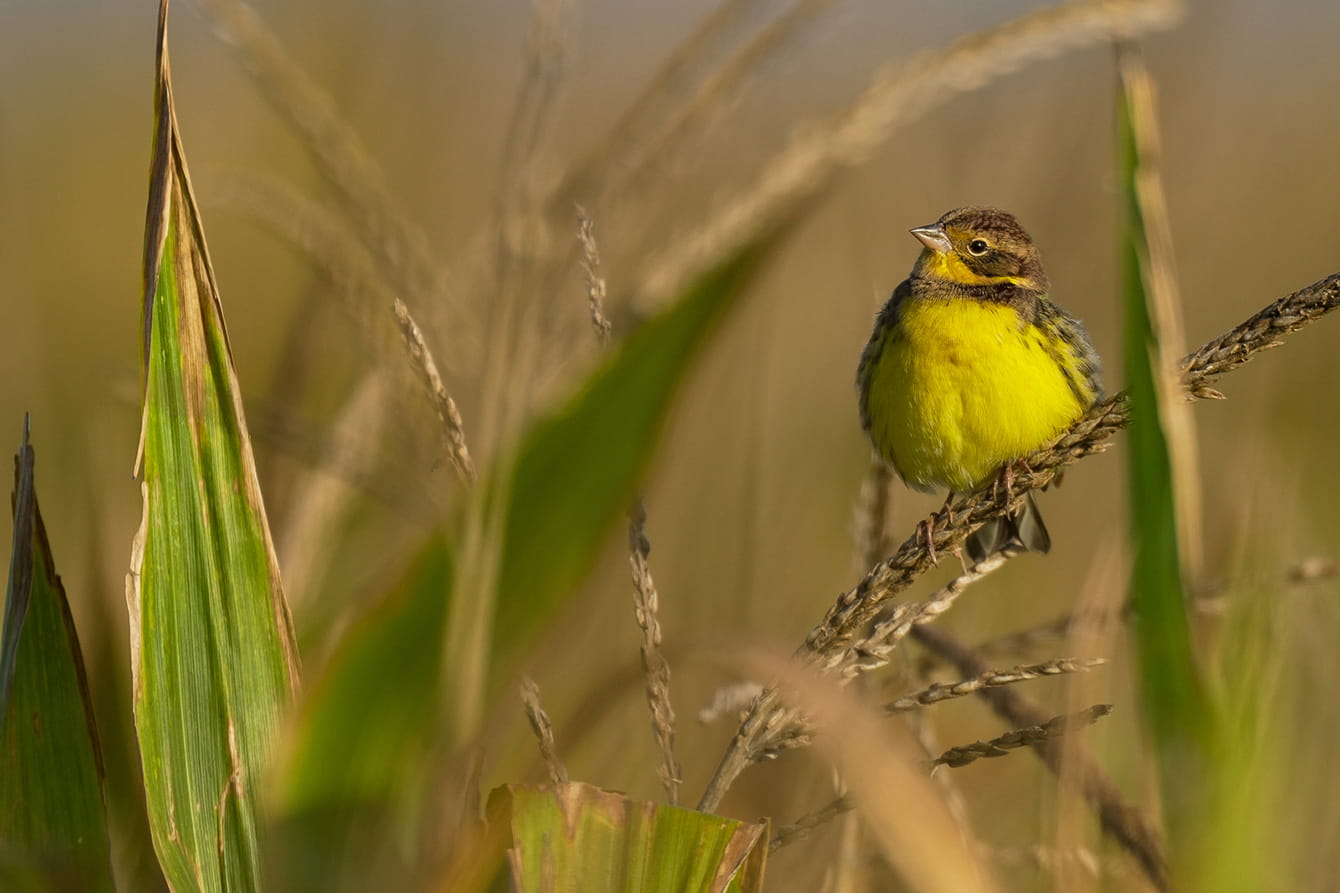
x=750, y=500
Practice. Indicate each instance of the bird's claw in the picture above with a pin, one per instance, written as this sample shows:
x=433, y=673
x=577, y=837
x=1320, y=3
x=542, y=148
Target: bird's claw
x=1005, y=479
x=927, y=531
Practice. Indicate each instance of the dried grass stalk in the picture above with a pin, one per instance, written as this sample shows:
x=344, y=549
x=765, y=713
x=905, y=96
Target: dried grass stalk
x=806, y=824
x=1208, y=599
x=322, y=499
x=872, y=650
x=944, y=691
x=543, y=729
x=404, y=251
x=653, y=105
x=1028, y=736
x=646, y=601
x=730, y=699
x=1263, y=331
x=908, y=822
x=713, y=94
x=421, y=358
x=522, y=231
x=1119, y=818
x=357, y=276
x=955, y=757
x=646, y=606
x=1027, y=641
x=595, y=282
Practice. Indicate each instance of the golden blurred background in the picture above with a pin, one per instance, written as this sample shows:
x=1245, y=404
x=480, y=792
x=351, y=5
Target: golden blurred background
x=751, y=495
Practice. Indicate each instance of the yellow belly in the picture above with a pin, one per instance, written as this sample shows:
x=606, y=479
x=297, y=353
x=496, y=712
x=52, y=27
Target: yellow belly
x=961, y=388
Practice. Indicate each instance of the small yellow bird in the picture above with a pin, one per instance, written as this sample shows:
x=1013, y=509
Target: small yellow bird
x=971, y=367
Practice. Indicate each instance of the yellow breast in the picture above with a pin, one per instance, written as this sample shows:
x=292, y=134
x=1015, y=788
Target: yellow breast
x=963, y=386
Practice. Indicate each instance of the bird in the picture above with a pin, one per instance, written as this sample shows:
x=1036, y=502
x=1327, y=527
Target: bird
x=971, y=367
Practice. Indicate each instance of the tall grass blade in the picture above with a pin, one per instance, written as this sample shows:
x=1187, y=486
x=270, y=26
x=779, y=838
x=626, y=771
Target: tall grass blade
x=578, y=469
x=52, y=818
x=212, y=650
x=1174, y=693
x=1248, y=838
x=578, y=837
x=359, y=759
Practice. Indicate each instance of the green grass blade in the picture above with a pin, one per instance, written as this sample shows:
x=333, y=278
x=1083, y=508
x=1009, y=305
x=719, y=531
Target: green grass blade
x=19, y=589
x=52, y=818
x=579, y=468
x=361, y=748
x=212, y=646
x=1174, y=693
x=356, y=726
x=579, y=837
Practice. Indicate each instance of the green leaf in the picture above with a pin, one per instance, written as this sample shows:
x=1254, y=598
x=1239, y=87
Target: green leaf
x=578, y=837
x=578, y=469
x=1174, y=693
x=362, y=745
x=52, y=820
x=212, y=651
x=358, y=730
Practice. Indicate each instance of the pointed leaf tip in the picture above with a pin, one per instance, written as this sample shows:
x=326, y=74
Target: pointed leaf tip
x=213, y=657
x=52, y=820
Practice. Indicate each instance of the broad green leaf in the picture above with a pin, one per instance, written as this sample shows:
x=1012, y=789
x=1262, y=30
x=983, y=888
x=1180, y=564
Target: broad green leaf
x=578, y=468
x=578, y=837
x=212, y=650
x=52, y=820
x=1174, y=694
x=361, y=749
x=370, y=708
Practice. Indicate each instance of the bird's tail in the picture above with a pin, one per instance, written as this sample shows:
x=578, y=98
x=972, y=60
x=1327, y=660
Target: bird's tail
x=1022, y=530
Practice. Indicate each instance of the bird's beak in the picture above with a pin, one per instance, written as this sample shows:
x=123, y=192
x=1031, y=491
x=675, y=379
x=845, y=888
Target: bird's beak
x=934, y=238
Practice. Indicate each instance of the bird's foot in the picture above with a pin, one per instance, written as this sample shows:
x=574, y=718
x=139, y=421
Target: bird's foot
x=1005, y=479
x=926, y=529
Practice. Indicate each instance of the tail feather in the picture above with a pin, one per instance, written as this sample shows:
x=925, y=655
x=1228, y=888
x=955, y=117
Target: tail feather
x=1022, y=530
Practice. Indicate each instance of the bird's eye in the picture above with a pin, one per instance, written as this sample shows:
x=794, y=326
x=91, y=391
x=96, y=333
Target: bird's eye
x=978, y=247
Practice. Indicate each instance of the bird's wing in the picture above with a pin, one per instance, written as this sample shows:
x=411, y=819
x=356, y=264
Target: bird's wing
x=1083, y=368
x=879, y=339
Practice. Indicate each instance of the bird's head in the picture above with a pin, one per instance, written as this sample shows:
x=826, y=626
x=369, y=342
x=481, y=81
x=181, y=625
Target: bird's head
x=979, y=246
